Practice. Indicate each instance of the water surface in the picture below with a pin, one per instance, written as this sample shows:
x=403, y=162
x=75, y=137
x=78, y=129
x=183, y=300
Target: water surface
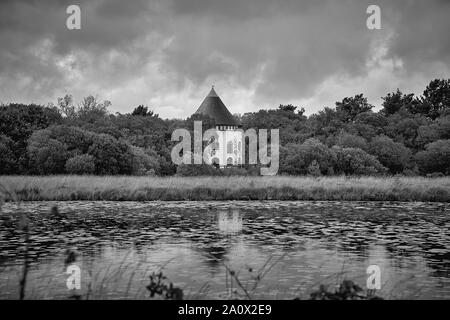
x=292, y=246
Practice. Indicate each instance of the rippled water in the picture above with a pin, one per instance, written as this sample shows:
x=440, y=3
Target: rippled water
x=293, y=246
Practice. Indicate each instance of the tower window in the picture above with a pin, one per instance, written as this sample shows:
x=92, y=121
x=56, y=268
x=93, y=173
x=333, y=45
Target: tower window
x=230, y=147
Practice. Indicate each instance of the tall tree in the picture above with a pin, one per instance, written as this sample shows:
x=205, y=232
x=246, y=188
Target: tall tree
x=142, y=110
x=349, y=108
x=437, y=97
x=395, y=101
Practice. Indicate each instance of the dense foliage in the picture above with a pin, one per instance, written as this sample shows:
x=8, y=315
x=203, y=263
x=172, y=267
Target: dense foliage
x=410, y=135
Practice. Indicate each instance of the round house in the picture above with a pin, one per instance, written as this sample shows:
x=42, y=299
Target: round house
x=228, y=147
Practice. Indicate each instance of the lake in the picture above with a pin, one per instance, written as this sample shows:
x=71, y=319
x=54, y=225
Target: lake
x=231, y=249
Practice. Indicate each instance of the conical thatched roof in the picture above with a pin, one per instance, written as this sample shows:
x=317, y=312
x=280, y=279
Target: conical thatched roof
x=213, y=107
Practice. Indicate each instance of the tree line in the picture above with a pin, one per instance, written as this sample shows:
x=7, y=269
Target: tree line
x=410, y=135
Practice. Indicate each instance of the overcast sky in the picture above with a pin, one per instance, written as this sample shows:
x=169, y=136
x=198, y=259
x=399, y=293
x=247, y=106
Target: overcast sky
x=258, y=53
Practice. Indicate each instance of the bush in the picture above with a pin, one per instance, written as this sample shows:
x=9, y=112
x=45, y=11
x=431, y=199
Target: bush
x=414, y=172
x=209, y=170
x=7, y=158
x=47, y=155
x=197, y=170
x=144, y=162
x=19, y=121
x=295, y=159
x=112, y=156
x=436, y=157
x=393, y=155
x=348, y=140
x=81, y=164
x=356, y=161
x=76, y=139
x=235, y=171
x=314, y=169
x=443, y=127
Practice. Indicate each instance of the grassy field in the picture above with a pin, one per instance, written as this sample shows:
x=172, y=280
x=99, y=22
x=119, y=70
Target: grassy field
x=122, y=188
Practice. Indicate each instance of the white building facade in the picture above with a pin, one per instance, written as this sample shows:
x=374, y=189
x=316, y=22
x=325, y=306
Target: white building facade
x=228, y=148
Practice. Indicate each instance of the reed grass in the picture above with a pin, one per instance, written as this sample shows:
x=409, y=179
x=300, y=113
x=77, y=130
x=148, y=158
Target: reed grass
x=130, y=188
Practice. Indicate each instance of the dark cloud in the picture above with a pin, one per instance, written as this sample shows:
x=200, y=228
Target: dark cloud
x=291, y=46
x=422, y=33
x=108, y=49
x=261, y=52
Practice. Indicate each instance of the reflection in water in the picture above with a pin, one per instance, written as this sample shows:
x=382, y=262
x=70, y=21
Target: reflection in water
x=121, y=243
x=229, y=222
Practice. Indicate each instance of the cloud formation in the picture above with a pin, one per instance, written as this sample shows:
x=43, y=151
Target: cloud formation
x=258, y=53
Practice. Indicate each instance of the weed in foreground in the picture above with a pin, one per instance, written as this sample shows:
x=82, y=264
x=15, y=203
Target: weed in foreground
x=348, y=290
x=160, y=286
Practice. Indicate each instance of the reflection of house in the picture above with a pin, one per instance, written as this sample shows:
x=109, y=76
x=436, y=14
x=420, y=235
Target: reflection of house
x=227, y=150
x=229, y=222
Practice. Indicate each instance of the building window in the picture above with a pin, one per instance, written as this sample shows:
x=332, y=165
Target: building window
x=230, y=161
x=230, y=147
x=215, y=145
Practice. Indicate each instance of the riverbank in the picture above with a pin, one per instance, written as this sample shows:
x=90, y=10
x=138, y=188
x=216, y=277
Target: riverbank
x=129, y=188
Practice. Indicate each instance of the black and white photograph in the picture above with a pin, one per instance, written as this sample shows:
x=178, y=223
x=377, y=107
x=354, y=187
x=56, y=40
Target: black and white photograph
x=232, y=151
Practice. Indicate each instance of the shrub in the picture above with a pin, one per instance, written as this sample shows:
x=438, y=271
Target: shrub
x=356, y=161
x=393, y=155
x=76, y=139
x=436, y=157
x=348, y=290
x=235, y=171
x=81, y=164
x=112, y=156
x=443, y=127
x=314, y=169
x=144, y=162
x=19, y=121
x=209, y=170
x=47, y=155
x=348, y=140
x=7, y=158
x=295, y=159
x=411, y=172
x=197, y=170
x=253, y=170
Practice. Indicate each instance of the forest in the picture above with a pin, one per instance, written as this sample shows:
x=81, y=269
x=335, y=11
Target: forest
x=409, y=135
